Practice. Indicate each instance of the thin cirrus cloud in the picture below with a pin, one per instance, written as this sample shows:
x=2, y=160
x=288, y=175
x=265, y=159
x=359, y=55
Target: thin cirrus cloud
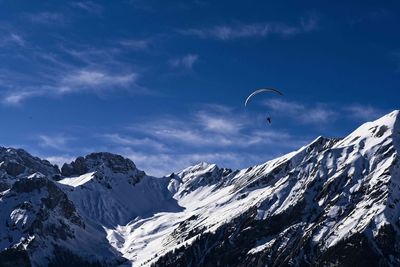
x=212, y=129
x=240, y=30
x=363, y=112
x=88, y=6
x=215, y=136
x=11, y=38
x=94, y=79
x=164, y=164
x=219, y=124
x=145, y=142
x=15, y=98
x=47, y=18
x=322, y=113
x=64, y=69
x=58, y=142
x=136, y=44
x=306, y=114
x=185, y=62
x=76, y=81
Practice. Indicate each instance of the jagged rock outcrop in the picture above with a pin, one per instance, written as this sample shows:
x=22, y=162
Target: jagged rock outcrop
x=98, y=161
x=15, y=163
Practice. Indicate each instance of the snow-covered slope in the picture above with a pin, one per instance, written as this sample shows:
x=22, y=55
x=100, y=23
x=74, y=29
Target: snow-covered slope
x=40, y=227
x=114, y=192
x=334, y=202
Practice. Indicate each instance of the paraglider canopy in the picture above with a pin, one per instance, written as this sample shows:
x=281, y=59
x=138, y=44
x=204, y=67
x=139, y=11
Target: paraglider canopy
x=262, y=90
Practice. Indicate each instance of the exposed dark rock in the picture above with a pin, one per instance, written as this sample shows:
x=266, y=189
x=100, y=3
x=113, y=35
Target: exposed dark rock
x=98, y=161
x=75, y=168
x=65, y=258
x=17, y=161
x=14, y=257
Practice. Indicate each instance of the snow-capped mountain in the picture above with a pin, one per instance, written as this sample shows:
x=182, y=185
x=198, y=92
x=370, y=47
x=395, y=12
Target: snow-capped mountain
x=334, y=202
x=109, y=189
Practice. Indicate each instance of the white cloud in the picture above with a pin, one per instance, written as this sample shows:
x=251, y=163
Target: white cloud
x=17, y=39
x=223, y=129
x=135, y=142
x=321, y=113
x=316, y=114
x=58, y=142
x=47, y=18
x=73, y=82
x=59, y=160
x=230, y=32
x=95, y=79
x=185, y=62
x=288, y=107
x=186, y=136
x=11, y=38
x=15, y=98
x=164, y=164
x=88, y=6
x=363, y=112
x=65, y=68
x=136, y=44
x=220, y=122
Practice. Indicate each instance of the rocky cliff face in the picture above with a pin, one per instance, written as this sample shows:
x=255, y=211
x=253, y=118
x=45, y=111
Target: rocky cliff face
x=97, y=162
x=334, y=202
x=16, y=163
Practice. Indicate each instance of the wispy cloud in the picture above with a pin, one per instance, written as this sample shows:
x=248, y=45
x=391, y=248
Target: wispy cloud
x=68, y=69
x=95, y=79
x=211, y=128
x=136, y=44
x=11, y=37
x=58, y=142
x=60, y=159
x=88, y=6
x=219, y=123
x=134, y=142
x=265, y=29
x=15, y=39
x=47, y=18
x=363, y=112
x=185, y=62
x=15, y=98
x=72, y=82
x=164, y=164
x=322, y=113
x=307, y=114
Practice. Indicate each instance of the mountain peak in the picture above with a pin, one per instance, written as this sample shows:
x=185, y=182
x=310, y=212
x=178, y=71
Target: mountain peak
x=198, y=169
x=98, y=161
x=390, y=119
x=395, y=114
x=371, y=133
x=15, y=163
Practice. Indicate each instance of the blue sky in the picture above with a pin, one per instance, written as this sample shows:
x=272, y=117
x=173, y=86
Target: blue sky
x=163, y=82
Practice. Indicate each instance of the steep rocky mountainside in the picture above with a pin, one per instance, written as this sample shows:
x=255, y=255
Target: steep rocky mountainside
x=334, y=202
x=16, y=163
